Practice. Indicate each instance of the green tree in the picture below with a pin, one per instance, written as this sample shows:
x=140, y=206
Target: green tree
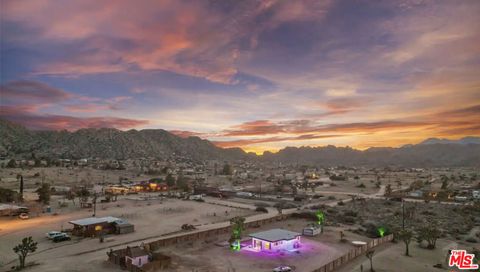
x=444, y=184
x=406, y=236
x=388, y=190
x=22, y=250
x=38, y=162
x=44, y=193
x=227, y=169
x=369, y=255
x=71, y=196
x=83, y=194
x=8, y=195
x=170, y=180
x=238, y=226
x=11, y=163
x=429, y=233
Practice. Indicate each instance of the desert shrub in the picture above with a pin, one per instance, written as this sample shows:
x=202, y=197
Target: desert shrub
x=471, y=239
x=261, y=204
x=332, y=211
x=261, y=209
x=305, y=215
x=350, y=213
x=349, y=220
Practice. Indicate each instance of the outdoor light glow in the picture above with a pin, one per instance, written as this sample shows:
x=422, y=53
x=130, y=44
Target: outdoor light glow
x=235, y=246
x=381, y=231
x=320, y=217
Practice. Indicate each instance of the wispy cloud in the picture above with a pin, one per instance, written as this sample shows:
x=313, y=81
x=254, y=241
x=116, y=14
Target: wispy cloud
x=255, y=74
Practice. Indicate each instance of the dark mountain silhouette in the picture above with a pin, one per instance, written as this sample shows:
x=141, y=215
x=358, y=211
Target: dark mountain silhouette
x=108, y=143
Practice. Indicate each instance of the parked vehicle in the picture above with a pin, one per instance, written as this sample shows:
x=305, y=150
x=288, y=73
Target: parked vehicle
x=61, y=238
x=23, y=216
x=51, y=234
x=282, y=268
x=188, y=227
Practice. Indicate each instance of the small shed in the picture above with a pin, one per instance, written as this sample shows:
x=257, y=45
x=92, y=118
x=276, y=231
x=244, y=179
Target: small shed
x=122, y=227
x=311, y=231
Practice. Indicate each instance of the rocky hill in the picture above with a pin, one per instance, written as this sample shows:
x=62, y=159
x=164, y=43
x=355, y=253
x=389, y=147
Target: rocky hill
x=463, y=141
x=109, y=143
x=420, y=155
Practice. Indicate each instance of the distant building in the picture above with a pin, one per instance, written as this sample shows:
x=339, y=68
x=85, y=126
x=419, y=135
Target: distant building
x=417, y=193
x=95, y=226
x=10, y=210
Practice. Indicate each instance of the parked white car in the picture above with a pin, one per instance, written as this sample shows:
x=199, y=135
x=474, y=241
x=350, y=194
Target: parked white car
x=282, y=268
x=52, y=234
x=23, y=216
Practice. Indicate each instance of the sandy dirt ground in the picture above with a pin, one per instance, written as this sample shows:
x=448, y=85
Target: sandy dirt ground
x=391, y=257
x=214, y=254
x=151, y=218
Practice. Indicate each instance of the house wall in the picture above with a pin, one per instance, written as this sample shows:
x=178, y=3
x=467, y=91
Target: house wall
x=274, y=246
x=138, y=261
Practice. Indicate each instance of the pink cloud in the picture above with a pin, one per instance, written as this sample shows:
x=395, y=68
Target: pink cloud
x=27, y=91
x=59, y=122
x=163, y=35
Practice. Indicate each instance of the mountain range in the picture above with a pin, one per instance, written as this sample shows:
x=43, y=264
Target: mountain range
x=109, y=143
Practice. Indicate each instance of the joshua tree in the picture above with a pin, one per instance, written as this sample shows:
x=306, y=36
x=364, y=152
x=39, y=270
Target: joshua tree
x=369, y=255
x=406, y=236
x=22, y=250
x=238, y=226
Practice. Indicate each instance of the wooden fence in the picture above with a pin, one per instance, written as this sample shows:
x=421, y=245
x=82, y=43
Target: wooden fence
x=117, y=256
x=352, y=254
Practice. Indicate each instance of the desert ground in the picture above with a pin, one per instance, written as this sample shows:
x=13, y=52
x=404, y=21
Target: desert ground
x=152, y=218
x=155, y=217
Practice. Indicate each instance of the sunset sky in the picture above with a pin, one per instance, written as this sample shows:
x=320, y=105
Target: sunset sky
x=259, y=75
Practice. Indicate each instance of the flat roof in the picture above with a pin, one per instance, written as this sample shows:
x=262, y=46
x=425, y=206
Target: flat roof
x=10, y=207
x=94, y=220
x=275, y=235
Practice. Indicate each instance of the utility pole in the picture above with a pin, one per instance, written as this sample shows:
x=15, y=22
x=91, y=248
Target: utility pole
x=94, y=203
x=19, y=176
x=403, y=214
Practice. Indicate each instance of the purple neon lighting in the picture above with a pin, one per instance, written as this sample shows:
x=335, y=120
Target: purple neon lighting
x=306, y=247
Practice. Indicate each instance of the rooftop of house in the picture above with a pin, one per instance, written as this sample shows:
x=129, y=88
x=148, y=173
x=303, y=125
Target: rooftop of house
x=135, y=251
x=10, y=207
x=275, y=235
x=94, y=220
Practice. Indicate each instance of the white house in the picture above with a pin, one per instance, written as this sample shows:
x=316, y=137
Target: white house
x=275, y=240
x=136, y=256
